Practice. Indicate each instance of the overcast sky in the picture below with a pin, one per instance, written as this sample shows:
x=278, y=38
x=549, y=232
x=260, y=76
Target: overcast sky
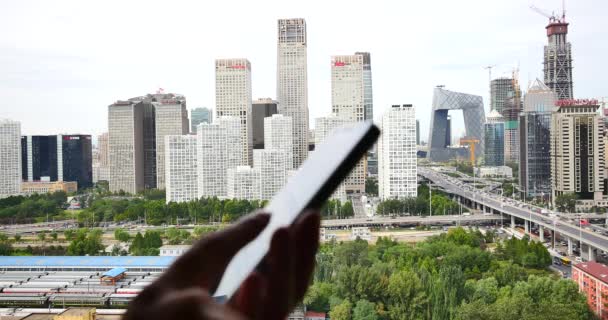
x=63, y=62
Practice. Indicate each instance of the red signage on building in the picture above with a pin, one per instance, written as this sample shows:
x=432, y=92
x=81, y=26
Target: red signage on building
x=238, y=67
x=576, y=102
x=339, y=64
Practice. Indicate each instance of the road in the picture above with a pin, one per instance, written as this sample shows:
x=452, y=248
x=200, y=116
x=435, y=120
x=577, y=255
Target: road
x=409, y=220
x=513, y=208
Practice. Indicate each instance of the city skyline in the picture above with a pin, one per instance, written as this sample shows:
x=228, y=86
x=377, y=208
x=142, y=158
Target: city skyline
x=89, y=72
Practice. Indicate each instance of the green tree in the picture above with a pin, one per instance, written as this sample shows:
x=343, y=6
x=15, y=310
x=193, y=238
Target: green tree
x=407, y=299
x=121, y=235
x=371, y=186
x=347, y=209
x=365, y=310
x=318, y=296
x=566, y=202
x=41, y=236
x=342, y=311
x=17, y=237
x=54, y=235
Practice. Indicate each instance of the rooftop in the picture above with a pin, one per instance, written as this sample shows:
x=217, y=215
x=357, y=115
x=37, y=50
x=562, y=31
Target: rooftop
x=313, y=314
x=93, y=261
x=113, y=273
x=597, y=270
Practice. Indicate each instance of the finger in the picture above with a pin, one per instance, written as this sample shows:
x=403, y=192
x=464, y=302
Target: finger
x=192, y=303
x=204, y=263
x=279, y=270
x=249, y=299
x=306, y=234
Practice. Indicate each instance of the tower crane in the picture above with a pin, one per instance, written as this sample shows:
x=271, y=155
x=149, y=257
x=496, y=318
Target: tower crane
x=470, y=141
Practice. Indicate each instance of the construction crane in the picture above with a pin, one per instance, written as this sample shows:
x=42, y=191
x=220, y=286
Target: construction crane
x=552, y=17
x=470, y=141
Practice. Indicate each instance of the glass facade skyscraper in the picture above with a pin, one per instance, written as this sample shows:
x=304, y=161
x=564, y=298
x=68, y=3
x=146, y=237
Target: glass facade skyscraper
x=534, y=143
x=200, y=115
x=494, y=140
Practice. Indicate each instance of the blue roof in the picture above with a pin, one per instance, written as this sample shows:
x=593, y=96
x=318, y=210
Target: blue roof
x=85, y=261
x=113, y=273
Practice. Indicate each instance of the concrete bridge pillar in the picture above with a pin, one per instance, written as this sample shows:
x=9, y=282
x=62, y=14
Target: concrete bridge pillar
x=591, y=253
x=570, y=246
x=527, y=226
x=512, y=222
x=541, y=233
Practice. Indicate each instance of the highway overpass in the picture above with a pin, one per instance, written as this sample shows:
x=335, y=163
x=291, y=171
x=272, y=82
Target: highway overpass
x=496, y=205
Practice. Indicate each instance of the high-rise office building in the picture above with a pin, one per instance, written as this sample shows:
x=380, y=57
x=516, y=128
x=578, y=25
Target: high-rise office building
x=126, y=146
x=103, y=157
x=171, y=118
x=348, y=103
x=397, y=168
x=558, y=59
x=474, y=117
x=500, y=89
x=211, y=160
x=292, y=82
x=233, y=98
x=578, y=153
x=260, y=109
x=136, y=129
x=534, y=140
x=180, y=165
x=417, y=132
x=510, y=112
x=234, y=141
x=58, y=158
x=494, y=140
x=324, y=127
x=273, y=166
x=244, y=183
x=198, y=116
x=368, y=94
x=10, y=158
x=278, y=135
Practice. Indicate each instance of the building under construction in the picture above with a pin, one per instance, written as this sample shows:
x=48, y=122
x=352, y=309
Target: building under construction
x=500, y=89
x=558, y=57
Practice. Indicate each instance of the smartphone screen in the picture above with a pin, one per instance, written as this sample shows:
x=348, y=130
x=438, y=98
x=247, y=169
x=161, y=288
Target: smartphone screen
x=310, y=187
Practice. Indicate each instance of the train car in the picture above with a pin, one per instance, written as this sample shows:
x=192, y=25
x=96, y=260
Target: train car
x=117, y=300
x=128, y=291
x=46, y=284
x=31, y=290
x=24, y=300
x=77, y=299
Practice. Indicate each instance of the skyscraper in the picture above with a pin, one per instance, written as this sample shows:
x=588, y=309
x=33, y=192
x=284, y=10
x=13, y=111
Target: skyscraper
x=535, y=137
x=180, y=165
x=261, y=109
x=273, y=166
x=233, y=98
x=278, y=135
x=348, y=103
x=292, y=82
x=198, y=116
x=417, y=132
x=368, y=95
x=171, y=118
x=136, y=133
x=74, y=159
x=234, y=141
x=126, y=146
x=494, y=140
x=103, y=157
x=211, y=160
x=324, y=127
x=558, y=59
x=500, y=89
x=397, y=168
x=578, y=153
x=10, y=158
x=244, y=183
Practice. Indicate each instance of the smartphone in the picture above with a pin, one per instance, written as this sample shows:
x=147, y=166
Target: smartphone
x=309, y=188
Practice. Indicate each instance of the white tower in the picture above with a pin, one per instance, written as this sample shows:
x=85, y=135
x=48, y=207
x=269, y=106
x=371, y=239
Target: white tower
x=10, y=158
x=292, y=82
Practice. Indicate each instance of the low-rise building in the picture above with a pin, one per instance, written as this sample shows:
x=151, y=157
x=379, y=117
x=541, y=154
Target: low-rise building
x=173, y=250
x=312, y=315
x=41, y=187
x=592, y=281
x=494, y=172
x=361, y=232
